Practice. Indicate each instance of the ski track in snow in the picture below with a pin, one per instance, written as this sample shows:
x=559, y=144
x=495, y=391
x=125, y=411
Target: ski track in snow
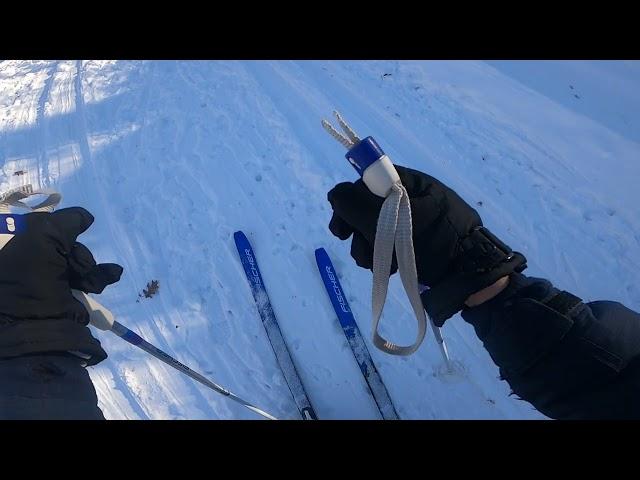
x=173, y=157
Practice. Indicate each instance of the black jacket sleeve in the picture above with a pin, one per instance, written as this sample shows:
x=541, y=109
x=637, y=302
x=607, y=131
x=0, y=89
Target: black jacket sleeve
x=569, y=359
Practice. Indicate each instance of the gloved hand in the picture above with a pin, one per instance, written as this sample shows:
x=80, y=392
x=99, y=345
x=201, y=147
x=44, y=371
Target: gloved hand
x=455, y=255
x=41, y=264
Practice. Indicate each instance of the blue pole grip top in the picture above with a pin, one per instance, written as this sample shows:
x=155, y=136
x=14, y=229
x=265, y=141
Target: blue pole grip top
x=11, y=223
x=363, y=154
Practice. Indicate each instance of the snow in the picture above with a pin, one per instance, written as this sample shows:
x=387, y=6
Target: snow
x=173, y=157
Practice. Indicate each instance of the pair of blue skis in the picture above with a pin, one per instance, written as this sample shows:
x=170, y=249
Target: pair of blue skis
x=345, y=316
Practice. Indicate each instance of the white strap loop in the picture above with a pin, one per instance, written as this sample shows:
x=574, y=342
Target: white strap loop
x=394, y=229
x=13, y=198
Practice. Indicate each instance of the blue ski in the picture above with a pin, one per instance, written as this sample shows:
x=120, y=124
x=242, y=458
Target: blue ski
x=354, y=337
x=250, y=265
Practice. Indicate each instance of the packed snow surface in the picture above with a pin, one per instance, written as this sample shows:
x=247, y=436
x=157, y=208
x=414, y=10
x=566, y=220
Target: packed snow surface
x=173, y=157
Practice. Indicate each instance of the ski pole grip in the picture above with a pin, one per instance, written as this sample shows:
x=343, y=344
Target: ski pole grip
x=374, y=166
x=99, y=316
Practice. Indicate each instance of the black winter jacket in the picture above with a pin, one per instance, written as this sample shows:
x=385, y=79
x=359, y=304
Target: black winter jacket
x=570, y=360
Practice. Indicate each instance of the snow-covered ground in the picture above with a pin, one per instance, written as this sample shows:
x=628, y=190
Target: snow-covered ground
x=173, y=157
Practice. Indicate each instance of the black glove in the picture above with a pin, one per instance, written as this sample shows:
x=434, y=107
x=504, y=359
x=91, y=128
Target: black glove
x=41, y=264
x=455, y=255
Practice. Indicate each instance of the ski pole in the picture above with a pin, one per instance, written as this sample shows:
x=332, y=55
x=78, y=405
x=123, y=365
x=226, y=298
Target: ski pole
x=438, y=334
x=100, y=316
x=103, y=319
x=441, y=344
x=394, y=230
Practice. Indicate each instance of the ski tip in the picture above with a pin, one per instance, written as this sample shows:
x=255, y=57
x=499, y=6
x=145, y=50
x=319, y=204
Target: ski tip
x=322, y=257
x=239, y=235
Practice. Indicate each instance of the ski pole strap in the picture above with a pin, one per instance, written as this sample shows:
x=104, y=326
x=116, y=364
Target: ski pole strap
x=394, y=229
x=13, y=198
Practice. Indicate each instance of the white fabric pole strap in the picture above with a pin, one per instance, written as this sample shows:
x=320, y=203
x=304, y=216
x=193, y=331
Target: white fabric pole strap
x=11, y=207
x=14, y=197
x=394, y=229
